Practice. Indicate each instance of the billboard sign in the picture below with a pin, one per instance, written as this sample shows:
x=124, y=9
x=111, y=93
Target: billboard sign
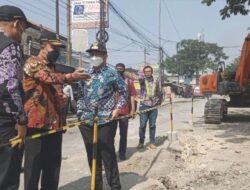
x=79, y=40
x=86, y=14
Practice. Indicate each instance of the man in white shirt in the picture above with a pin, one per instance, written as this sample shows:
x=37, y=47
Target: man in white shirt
x=68, y=91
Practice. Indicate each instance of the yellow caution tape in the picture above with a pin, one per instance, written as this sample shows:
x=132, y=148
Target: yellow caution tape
x=77, y=124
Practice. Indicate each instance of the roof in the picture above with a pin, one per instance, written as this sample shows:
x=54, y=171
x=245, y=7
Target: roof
x=40, y=27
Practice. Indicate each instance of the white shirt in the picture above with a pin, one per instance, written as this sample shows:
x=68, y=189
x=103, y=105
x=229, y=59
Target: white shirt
x=67, y=90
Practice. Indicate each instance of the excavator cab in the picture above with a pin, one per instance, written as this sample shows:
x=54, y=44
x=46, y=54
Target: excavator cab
x=209, y=82
x=220, y=82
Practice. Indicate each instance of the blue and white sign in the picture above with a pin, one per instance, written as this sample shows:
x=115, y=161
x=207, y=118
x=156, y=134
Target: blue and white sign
x=86, y=14
x=79, y=10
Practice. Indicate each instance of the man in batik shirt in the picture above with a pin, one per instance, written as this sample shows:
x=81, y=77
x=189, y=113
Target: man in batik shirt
x=12, y=116
x=101, y=92
x=44, y=101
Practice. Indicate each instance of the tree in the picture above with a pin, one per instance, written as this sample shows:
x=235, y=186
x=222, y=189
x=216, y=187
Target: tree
x=171, y=65
x=231, y=7
x=194, y=56
x=232, y=67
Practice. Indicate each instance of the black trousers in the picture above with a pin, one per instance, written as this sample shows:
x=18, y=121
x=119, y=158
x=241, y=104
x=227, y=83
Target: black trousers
x=123, y=127
x=105, y=154
x=10, y=158
x=42, y=158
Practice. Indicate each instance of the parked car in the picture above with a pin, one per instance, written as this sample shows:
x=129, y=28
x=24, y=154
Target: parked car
x=197, y=93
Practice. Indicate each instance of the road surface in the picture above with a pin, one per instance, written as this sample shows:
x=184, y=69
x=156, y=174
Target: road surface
x=204, y=157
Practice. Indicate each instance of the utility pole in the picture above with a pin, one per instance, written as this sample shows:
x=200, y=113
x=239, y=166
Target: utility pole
x=177, y=62
x=161, y=68
x=102, y=27
x=162, y=61
x=69, y=46
x=102, y=35
x=57, y=17
x=145, y=52
x=160, y=48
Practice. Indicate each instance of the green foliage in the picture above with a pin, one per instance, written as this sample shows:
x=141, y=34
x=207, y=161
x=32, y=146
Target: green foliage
x=231, y=7
x=194, y=56
x=171, y=65
x=232, y=67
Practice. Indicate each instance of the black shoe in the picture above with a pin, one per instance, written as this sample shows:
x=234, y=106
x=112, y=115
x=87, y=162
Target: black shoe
x=122, y=157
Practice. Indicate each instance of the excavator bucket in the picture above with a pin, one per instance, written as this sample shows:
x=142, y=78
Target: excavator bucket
x=242, y=76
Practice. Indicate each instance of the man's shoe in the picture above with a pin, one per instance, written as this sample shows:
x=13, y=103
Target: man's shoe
x=140, y=146
x=122, y=156
x=152, y=146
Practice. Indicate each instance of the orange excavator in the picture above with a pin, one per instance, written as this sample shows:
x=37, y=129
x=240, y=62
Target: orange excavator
x=235, y=85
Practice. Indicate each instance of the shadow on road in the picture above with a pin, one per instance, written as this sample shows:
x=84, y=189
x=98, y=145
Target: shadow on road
x=235, y=129
x=235, y=117
x=128, y=180
x=199, y=122
x=158, y=142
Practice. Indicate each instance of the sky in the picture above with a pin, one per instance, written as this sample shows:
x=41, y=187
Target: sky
x=180, y=19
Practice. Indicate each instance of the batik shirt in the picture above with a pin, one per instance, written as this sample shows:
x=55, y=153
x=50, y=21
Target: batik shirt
x=101, y=92
x=11, y=64
x=43, y=90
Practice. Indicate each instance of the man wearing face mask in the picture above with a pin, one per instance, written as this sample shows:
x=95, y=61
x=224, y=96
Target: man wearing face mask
x=128, y=109
x=101, y=93
x=44, y=102
x=13, y=119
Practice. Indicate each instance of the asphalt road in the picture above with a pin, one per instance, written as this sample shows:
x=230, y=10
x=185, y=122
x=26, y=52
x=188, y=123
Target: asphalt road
x=75, y=174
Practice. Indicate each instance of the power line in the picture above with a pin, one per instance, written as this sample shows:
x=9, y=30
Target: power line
x=137, y=23
x=61, y=4
x=172, y=20
x=140, y=44
x=37, y=13
x=123, y=47
x=48, y=5
x=139, y=34
x=36, y=8
x=125, y=51
x=231, y=46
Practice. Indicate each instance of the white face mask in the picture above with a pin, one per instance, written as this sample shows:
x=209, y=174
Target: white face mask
x=96, y=61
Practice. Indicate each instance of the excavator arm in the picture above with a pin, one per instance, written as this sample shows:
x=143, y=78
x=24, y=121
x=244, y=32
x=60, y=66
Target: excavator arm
x=242, y=76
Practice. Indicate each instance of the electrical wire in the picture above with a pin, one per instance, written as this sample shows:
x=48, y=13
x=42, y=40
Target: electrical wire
x=30, y=10
x=137, y=23
x=139, y=34
x=172, y=20
x=231, y=46
x=47, y=13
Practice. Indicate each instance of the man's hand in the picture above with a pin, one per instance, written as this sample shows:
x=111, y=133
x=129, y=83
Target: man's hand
x=131, y=75
x=115, y=114
x=132, y=114
x=21, y=134
x=79, y=74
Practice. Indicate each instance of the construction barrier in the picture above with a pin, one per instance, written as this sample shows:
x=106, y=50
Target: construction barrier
x=95, y=141
x=192, y=111
x=77, y=124
x=171, y=119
